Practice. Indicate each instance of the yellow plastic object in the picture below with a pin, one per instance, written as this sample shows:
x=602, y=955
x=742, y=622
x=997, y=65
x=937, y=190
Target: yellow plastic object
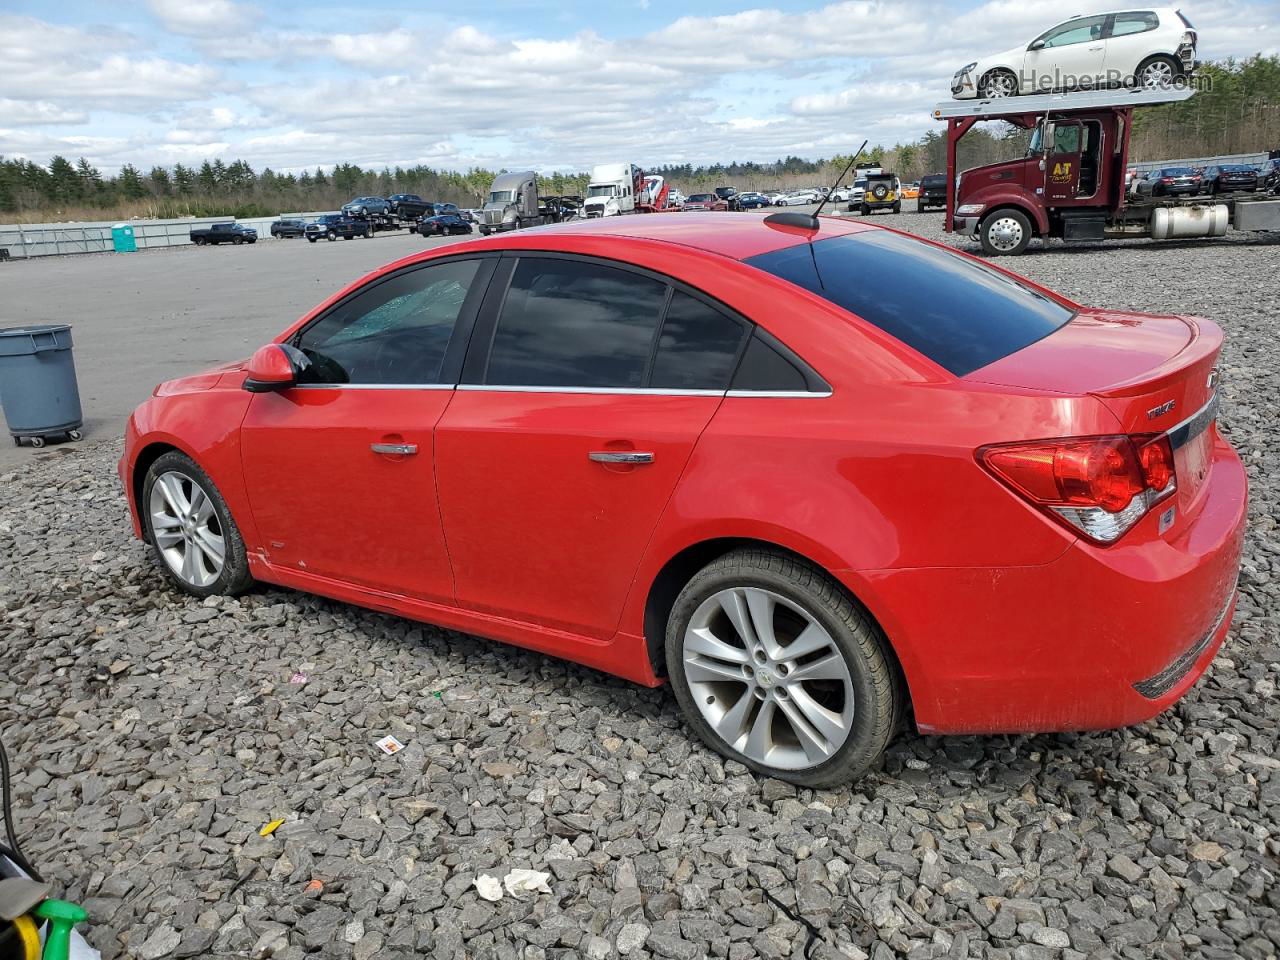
x=28, y=937
x=270, y=828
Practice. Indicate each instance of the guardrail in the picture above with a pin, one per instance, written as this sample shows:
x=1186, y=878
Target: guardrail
x=23, y=240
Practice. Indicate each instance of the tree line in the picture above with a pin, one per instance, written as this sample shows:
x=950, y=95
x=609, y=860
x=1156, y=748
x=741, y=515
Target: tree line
x=1237, y=110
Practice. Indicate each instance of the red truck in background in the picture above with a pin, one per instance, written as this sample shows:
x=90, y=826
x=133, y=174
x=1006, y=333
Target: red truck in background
x=1071, y=184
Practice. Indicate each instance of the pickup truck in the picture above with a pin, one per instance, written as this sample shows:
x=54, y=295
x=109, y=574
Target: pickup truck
x=933, y=192
x=331, y=226
x=409, y=206
x=223, y=233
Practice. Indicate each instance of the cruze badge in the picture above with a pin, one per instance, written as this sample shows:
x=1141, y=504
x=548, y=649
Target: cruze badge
x=1161, y=410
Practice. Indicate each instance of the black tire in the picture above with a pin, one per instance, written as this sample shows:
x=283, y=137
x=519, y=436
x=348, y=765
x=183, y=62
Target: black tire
x=897, y=206
x=878, y=695
x=989, y=233
x=363, y=212
x=991, y=83
x=311, y=239
x=865, y=210
x=920, y=207
x=198, y=241
x=235, y=577
x=1173, y=66
x=236, y=241
x=331, y=236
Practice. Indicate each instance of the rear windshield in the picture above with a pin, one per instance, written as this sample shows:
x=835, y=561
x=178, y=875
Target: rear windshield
x=934, y=179
x=958, y=312
x=1177, y=171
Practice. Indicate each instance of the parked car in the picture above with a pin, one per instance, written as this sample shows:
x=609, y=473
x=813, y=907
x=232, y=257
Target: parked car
x=933, y=192
x=289, y=227
x=406, y=206
x=705, y=201
x=1029, y=520
x=443, y=224
x=364, y=206
x=797, y=198
x=223, y=233
x=753, y=201
x=1229, y=177
x=1269, y=176
x=910, y=191
x=881, y=193
x=331, y=226
x=443, y=208
x=856, y=192
x=730, y=197
x=1171, y=182
x=1140, y=47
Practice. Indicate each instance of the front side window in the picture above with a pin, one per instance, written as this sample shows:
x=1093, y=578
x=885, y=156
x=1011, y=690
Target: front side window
x=395, y=332
x=958, y=312
x=1077, y=31
x=1139, y=21
x=566, y=323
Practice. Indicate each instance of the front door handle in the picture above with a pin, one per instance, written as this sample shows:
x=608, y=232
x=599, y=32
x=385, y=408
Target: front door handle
x=620, y=456
x=395, y=449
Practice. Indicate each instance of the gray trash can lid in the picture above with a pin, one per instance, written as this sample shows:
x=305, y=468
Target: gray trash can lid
x=34, y=329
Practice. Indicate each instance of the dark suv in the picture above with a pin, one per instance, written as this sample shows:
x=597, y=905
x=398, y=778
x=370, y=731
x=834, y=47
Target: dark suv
x=289, y=227
x=933, y=192
x=334, y=225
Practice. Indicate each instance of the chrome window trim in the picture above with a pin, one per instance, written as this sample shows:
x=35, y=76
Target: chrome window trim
x=640, y=391
x=373, y=386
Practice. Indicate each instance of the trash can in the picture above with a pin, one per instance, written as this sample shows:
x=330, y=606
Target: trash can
x=122, y=238
x=38, y=388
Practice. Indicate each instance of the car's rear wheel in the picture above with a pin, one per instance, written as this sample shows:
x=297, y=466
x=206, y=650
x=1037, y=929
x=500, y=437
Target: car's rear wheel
x=1005, y=233
x=998, y=84
x=192, y=534
x=776, y=667
x=1157, y=71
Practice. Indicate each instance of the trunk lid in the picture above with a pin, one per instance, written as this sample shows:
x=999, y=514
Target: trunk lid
x=1154, y=373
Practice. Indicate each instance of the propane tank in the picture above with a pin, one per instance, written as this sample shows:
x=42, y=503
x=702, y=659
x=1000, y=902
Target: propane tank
x=1201, y=220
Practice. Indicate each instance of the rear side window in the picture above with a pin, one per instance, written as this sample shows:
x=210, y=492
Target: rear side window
x=698, y=346
x=1139, y=21
x=957, y=312
x=566, y=323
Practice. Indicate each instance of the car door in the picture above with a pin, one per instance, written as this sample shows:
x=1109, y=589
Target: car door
x=1073, y=55
x=340, y=469
x=1062, y=165
x=586, y=389
x=1129, y=42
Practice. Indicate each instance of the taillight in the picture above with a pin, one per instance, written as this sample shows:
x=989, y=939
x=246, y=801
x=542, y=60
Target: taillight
x=1099, y=486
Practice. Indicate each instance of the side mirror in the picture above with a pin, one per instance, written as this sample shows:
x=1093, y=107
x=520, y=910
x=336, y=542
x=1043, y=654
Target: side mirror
x=276, y=366
x=1036, y=45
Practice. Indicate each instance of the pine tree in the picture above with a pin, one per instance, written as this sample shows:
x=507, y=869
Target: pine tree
x=130, y=183
x=160, y=182
x=207, y=178
x=64, y=184
x=183, y=179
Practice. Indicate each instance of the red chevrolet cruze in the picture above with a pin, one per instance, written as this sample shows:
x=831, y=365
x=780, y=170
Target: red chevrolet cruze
x=814, y=476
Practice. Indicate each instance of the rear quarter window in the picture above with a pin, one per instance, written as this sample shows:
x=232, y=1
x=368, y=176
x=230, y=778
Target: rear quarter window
x=959, y=313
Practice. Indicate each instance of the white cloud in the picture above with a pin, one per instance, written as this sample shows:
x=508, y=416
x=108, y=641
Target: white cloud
x=755, y=84
x=207, y=18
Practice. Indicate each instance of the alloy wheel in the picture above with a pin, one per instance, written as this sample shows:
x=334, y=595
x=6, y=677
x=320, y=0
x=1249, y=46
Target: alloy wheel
x=1158, y=73
x=186, y=529
x=1005, y=233
x=768, y=678
x=998, y=86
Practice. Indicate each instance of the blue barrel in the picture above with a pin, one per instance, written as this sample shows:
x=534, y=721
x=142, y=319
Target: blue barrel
x=38, y=388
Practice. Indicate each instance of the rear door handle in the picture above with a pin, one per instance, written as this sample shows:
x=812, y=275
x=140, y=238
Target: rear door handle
x=395, y=449
x=620, y=456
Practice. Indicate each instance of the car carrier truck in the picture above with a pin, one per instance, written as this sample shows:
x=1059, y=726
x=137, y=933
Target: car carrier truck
x=1070, y=185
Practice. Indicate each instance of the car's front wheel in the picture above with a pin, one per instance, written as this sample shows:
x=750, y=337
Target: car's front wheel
x=192, y=534
x=775, y=666
x=998, y=84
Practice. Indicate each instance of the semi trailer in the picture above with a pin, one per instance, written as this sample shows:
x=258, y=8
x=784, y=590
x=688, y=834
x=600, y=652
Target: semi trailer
x=1070, y=185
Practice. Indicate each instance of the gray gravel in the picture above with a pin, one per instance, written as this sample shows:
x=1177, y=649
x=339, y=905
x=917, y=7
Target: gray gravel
x=155, y=735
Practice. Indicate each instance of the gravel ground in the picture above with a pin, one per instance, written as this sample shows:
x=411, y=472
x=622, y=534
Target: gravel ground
x=154, y=735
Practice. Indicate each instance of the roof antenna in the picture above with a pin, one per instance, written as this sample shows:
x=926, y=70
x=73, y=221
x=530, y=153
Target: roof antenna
x=809, y=221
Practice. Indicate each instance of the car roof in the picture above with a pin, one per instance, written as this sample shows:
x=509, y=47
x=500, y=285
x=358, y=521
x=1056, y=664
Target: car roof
x=733, y=235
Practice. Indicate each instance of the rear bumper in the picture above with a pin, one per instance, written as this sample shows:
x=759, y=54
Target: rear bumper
x=1099, y=638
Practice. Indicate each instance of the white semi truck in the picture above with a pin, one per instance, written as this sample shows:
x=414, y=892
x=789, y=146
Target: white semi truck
x=612, y=190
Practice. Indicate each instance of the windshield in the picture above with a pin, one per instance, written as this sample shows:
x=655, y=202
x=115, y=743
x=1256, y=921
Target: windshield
x=602, y=190
x=860, y=184
x=958, y=312
x=701, y=198
x=501, y=196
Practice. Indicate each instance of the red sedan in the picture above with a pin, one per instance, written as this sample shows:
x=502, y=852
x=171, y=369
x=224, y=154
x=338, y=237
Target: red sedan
x=813, y=477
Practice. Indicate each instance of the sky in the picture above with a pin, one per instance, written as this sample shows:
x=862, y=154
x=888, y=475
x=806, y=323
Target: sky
x=555, y=86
